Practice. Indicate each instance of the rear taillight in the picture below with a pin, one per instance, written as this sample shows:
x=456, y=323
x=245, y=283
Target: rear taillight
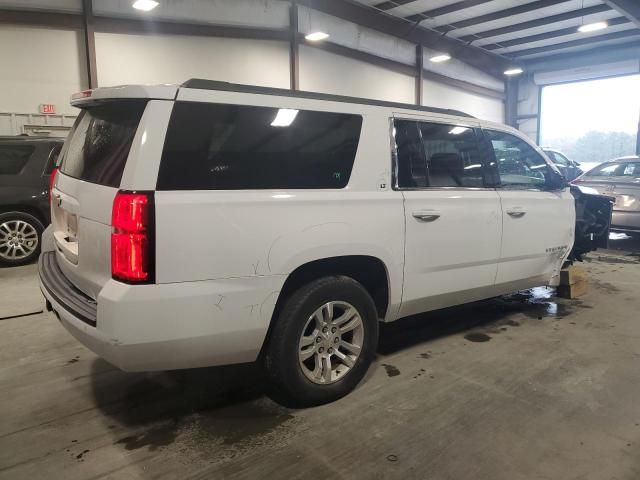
x=132, y=243
x=52, y=181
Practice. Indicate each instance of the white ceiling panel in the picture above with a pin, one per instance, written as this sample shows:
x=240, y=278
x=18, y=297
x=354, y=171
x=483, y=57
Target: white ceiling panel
x=611, y=44
x=524, y=17
x=575, y=22
x=568, y=27
x=478, y=10
x=568, y=38
x=418, y=7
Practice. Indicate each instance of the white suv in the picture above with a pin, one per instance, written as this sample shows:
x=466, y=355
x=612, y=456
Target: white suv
x=213, y=223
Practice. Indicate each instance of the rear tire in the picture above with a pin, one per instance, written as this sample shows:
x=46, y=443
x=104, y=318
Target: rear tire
x=20, y=238
x=322, y=343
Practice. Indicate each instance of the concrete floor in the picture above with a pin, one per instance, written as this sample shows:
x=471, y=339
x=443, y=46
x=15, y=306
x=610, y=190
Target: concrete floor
x=523, y=387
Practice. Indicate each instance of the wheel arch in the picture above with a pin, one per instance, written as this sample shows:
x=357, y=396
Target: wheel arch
x=28, y=209
x=370, y=271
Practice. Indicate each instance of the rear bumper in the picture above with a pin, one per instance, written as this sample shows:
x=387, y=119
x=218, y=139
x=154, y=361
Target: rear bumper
x=61, y=291
x=168, y=326
x=628, y=221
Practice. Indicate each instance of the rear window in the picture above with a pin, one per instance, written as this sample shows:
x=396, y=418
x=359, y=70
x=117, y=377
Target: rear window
x=100, y=141
x=13, y=158
x=622, y=169
x=233, y=147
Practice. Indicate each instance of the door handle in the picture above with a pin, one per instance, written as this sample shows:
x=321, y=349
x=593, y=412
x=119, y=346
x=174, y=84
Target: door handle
x=516, y=212
x=426, y=215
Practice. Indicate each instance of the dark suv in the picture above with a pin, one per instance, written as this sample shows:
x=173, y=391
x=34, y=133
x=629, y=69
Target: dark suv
x=26, y=164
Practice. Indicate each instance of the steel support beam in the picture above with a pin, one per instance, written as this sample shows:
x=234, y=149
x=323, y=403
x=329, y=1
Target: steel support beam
x=135, y=26
x=578, y=43
x=539, y=22
x=63, y=21
x=391, y=4
x=294, y=47
x=628, y=8
x=511, y=102
x=402, y=68
x=500, y=14
x=547, y=35
x=419, y=73
x=401, y=28
x=593, y=56
x=89, y=43
x=130, y=25
x=451, y=8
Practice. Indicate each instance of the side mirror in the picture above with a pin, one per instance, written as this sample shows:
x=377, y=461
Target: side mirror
x=555, y=180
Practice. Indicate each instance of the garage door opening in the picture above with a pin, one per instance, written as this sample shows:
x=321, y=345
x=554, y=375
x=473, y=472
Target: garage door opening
x=591, y=121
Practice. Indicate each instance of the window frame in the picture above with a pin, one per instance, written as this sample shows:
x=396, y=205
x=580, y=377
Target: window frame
x=50, y=164
x=496, y=173
x=483, y=153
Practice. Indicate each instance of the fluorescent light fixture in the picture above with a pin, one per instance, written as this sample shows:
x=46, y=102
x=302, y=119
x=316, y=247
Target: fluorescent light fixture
x=316, y=36
x=457, y=130
x=592, y=27
x=513, y=71
x=145, y=5
x=284, y=117
x=440, y=58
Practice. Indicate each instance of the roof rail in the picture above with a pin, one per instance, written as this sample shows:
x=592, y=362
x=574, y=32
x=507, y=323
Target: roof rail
x=203, y=84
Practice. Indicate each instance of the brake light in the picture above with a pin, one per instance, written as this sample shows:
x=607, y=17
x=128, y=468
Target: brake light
x=52, y=181
x=132, y=237
x=81, y=95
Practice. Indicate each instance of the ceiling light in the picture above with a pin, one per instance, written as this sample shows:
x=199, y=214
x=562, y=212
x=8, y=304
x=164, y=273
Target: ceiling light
x=457, y=130
x=513, y=71
x=145, y=5
x=593, y=27
x=316, y=36
x=284, y=117
x=440, y=58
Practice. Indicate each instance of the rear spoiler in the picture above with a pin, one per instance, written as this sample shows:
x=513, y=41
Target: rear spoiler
x=157, y=92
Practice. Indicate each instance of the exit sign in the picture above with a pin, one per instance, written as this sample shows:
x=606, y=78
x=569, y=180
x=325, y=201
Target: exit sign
x=47, y=108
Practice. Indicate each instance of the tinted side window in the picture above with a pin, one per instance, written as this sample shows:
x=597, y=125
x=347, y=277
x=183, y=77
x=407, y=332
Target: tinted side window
x=453, y=155
x=232, y=147
x=519, y=165
x=13, y=158
x=437, y=155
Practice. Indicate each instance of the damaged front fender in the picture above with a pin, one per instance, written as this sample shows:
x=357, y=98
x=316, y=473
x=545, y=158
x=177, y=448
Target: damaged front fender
x=593, y=220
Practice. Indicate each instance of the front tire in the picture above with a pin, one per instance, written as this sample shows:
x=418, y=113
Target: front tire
x=322, y=343
x=20, y=238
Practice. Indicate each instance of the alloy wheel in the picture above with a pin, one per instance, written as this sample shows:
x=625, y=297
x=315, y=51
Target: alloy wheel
x=331, y=342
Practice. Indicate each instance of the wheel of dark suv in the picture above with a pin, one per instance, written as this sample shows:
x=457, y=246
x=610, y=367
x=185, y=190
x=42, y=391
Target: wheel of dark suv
x=322, y=343
x=20, y=235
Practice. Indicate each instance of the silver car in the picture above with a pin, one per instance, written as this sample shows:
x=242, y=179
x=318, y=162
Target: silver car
x=619, y=178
